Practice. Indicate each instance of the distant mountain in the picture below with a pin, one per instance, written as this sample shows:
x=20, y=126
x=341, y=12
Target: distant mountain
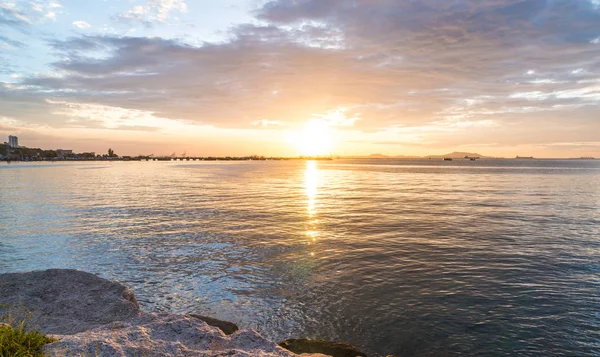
x=453, y=155
x=377, y=156
x=458, y=155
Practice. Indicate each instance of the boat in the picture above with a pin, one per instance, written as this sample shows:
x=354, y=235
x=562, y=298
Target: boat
x=473, y=158
x=524, y=157
x=447, y=159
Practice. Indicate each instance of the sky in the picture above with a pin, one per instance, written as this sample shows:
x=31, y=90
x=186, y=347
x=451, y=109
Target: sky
x=295, y=77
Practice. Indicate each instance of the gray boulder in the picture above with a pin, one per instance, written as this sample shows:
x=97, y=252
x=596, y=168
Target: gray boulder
x=91, y=316
x=163, y=335
x=63, y=301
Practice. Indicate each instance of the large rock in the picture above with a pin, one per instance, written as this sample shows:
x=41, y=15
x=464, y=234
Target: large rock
x=92, y=316
x=163, y=336
x=66, y=301
x=227, y=327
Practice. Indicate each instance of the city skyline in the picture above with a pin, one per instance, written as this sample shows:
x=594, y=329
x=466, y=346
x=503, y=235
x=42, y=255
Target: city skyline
x=286, y=78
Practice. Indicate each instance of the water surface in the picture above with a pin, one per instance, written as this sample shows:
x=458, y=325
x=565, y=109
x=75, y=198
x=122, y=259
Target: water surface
x=404, y=257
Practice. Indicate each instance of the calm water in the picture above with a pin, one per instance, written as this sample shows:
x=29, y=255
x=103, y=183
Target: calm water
x=405, y=257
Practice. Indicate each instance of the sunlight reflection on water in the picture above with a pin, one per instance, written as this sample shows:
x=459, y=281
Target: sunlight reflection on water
x=405, y=257
x=311, y=183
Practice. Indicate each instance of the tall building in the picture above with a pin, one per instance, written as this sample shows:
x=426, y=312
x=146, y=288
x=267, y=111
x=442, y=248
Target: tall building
x=13, y=141
x=63, y=153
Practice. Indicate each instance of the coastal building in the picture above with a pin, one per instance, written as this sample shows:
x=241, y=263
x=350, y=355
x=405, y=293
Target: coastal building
x=13, y=141
x=63, y=153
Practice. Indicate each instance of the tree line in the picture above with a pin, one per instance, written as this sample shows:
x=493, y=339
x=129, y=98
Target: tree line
x=33, y=154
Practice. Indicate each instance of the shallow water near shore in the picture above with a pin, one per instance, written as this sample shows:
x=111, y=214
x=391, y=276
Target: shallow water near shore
x=404, y=257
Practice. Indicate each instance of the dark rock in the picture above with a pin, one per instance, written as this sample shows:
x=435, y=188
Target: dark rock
x=335, y=349
x=64, y=301
x=227, y=327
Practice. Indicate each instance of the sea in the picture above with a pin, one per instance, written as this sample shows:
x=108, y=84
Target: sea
x=404, y=257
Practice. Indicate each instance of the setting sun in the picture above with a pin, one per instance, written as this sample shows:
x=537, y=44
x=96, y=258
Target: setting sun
x=359, y=178
x=315, y=139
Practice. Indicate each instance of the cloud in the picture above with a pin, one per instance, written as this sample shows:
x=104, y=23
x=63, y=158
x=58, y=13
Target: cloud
x=81, y=24
x=9, y=42
x=87, y=115
x=12, y=17
x=20, y=15
x=265, y=123
x=51, y=15
x=498, y=69
x=48, y=9
x=156, y=11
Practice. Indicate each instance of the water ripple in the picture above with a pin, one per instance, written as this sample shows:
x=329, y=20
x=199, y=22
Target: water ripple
x=404, y=257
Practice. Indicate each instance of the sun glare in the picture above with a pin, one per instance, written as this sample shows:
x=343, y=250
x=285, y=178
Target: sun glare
x=315, y=139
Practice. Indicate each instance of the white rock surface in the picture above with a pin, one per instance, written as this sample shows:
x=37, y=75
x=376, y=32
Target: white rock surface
x=163, y=335
x=64, y=301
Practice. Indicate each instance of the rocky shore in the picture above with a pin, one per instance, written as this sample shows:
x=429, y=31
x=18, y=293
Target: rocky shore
x=91, y=316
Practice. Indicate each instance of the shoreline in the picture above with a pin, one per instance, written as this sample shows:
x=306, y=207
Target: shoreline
x=210, y=158
x=89, y=315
